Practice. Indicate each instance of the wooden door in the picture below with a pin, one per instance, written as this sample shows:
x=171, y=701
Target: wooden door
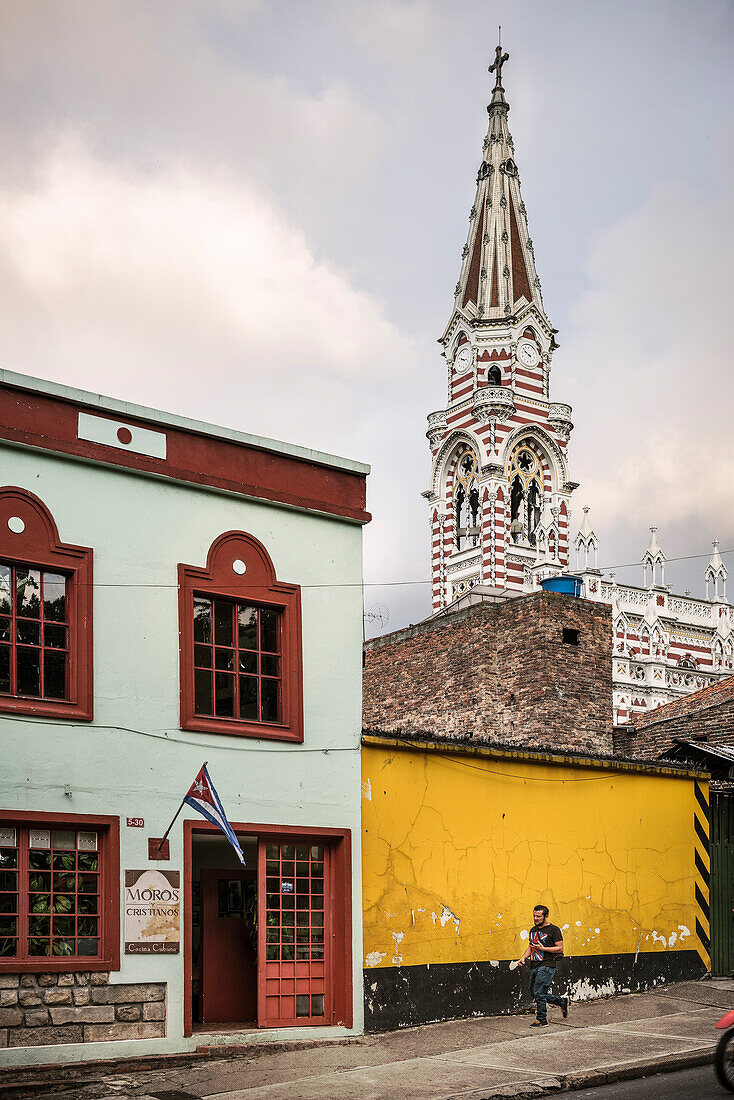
x=294, y=933
x=228, y=956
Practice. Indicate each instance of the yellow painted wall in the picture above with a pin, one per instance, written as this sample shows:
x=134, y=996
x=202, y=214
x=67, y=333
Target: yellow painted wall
x=458, y=848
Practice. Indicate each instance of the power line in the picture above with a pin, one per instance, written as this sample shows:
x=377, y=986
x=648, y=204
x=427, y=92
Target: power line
x=170, y=735
x=371, y=584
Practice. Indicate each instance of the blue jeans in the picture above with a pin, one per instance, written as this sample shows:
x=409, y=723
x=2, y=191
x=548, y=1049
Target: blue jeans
x=540, y=982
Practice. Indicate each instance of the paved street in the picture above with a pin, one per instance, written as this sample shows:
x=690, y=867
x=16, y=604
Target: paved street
x=466, y=1058
x=689, y=1084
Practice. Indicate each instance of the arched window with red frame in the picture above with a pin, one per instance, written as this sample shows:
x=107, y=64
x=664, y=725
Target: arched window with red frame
x=240, y=630
x=45, y=613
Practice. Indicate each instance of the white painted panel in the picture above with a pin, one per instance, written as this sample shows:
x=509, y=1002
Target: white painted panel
x=98, y=429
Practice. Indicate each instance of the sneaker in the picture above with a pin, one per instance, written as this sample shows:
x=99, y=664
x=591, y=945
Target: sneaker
x=539, y=1023
x=564, y=1008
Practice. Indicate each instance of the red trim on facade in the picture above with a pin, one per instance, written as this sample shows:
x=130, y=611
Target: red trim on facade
x=532, y=375
x=340, y=841
x=51, y=424
x=528, y=388
x=487, y=356
x=39, y=546
x=258, y=585
x=524, y=408
x=109, y=893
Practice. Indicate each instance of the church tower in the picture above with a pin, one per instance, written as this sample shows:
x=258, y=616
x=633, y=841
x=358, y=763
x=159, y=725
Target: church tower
x=500, y=494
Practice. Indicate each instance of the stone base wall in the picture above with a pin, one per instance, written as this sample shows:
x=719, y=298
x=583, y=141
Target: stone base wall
x=46, y=1009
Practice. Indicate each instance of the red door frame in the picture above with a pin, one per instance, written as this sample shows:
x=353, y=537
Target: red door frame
x=340, y=898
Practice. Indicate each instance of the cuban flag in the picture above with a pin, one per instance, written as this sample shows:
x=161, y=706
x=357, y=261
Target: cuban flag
x=203, y=798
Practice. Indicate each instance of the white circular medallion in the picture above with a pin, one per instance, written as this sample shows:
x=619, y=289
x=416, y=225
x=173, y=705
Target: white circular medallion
x=462, y=359
x=16, y=525
x=528, y=353
x=239, y=566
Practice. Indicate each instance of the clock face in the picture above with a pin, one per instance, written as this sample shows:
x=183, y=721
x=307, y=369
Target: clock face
x=528, y=354
x=462, y=361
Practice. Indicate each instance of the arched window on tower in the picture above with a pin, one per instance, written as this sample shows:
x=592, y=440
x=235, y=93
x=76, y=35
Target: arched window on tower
x=466, y=501
x=526, y=496
x=494, y=376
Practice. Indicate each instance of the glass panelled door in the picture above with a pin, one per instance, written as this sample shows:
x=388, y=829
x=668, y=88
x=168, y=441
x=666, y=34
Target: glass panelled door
x=294, y=933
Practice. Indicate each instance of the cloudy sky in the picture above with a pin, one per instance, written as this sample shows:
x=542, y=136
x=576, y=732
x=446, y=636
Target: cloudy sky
x=252, y=212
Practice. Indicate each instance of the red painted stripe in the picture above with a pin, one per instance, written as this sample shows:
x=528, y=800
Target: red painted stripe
x=541, y=413
x=529, y=389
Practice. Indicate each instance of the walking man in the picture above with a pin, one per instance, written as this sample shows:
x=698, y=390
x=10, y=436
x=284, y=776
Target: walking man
x=545, y=947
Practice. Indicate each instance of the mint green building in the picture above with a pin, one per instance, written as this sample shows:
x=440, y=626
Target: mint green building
x=173, y=593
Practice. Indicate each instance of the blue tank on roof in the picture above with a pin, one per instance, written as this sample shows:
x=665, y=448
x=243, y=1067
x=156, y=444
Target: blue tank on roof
x=567, y=584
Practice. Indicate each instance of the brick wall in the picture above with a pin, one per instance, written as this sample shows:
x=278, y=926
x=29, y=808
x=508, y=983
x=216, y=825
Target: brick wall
x=498, y=672
x=45, y=1009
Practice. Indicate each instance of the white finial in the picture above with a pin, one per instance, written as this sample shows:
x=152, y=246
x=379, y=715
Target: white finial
x=717, y=572
x=654, y=557
x=586, y=540
x=585, y=528
x=653, y=546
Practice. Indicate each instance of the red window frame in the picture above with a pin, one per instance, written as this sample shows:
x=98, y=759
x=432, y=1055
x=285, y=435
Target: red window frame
x=108, y=833
x=236, y=665
x=37, y=546
x=223, y=578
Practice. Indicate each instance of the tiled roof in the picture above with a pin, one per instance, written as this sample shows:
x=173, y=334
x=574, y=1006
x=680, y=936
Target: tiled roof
x=712, y=696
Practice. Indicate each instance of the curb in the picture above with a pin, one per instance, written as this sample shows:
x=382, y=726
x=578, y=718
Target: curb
x=26, y=1082
x=671, y=1063
x=71, y=1074
x=587, y=1079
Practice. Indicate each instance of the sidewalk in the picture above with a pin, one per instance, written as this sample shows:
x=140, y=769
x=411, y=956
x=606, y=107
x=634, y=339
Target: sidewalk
x=612, y=1039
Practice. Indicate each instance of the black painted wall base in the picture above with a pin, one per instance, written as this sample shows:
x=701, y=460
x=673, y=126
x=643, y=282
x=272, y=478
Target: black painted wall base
x=404, y=996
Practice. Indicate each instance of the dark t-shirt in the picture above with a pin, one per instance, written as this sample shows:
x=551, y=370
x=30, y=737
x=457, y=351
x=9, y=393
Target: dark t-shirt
x=550, y=935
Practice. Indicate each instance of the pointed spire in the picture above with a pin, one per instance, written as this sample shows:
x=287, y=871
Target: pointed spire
x=586, y=540
x=498, y=275
x=653, y=557
x=716, y=564
x=651, y=613
x=546, y=516
x=586, y=529
x=717, y=572
x=653, y=547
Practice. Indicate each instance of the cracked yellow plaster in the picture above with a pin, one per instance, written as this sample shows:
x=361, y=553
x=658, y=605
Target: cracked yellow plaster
x=455, y=857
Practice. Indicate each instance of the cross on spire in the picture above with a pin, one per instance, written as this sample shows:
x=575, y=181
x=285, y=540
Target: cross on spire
x=496, y=66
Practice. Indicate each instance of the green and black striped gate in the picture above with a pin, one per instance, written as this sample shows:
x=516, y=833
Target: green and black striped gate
x=722, y=882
